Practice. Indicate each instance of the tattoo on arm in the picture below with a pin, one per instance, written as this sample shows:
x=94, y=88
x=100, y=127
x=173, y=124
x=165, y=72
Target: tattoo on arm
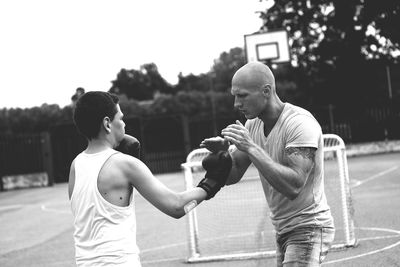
x=305, y=152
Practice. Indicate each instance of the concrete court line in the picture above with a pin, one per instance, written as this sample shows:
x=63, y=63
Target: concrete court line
x=185, y=243
x=10, y=207
x=378, y=237
x=371, y=252
x=163, y=260
x=44, y=208
x=377, y=175
x=180, y=258
x=397, y=234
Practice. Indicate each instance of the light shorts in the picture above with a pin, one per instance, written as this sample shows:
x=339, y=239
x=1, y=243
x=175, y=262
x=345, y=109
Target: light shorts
x=307, y=246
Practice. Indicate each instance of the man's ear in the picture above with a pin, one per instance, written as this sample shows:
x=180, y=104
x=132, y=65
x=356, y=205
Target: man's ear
x=266, y=90
x=107, y=124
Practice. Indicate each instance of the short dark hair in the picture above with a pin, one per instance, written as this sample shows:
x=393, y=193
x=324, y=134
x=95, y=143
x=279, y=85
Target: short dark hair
x=90, y=110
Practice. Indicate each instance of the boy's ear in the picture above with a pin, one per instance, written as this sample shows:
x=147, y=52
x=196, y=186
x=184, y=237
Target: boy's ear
x=107, y=124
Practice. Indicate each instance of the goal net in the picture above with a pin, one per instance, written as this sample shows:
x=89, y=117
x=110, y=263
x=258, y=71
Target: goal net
x=235, y=224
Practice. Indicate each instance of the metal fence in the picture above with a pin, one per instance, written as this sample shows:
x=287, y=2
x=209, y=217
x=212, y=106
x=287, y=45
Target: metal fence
x=361, y=124
x=25, y=154
x=166, y=140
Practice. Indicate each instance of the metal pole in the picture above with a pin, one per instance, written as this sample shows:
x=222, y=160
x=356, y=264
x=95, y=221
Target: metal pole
x=47, y=156
x=389, y=82
x=331, y=121
x=191, y=217
x=214, y=113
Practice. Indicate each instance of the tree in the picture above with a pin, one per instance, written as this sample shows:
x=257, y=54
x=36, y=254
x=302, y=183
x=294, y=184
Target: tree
x=140, y=84
x=219, y=77
x=36, y=119
x=192, y=82
x=331, y=42
x=131, y=107
x=322, y=29
x=225, y=67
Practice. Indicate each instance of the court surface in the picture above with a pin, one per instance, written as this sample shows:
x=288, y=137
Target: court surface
x=36, y=224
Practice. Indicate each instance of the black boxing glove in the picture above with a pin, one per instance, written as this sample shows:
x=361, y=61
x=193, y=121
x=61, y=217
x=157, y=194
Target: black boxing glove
x=218, y=166
x=130, y=146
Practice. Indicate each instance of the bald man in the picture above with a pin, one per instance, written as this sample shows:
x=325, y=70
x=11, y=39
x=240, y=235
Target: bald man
x=284, y=142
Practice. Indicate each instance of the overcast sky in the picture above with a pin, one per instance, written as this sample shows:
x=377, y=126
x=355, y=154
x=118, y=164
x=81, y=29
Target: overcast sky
x=49, y=48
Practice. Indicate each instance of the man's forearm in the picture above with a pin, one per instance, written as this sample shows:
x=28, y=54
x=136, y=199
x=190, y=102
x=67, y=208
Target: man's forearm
x=282, y=178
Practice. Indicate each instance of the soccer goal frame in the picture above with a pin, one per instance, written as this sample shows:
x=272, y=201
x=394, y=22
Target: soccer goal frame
x=334, y=149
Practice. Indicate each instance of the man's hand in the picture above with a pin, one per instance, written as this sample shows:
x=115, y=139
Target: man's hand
x=218, y=166
x=129, y=145
x=238, y=135
x=215, y=144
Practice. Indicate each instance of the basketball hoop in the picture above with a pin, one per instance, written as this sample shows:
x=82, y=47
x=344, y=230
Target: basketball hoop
x=271, y=47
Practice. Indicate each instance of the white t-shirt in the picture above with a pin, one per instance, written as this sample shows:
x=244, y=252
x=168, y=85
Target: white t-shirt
x=295, y=127
x=105, y=234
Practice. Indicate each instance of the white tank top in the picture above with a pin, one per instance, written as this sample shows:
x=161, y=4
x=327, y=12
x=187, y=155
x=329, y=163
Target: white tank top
x=105, y=234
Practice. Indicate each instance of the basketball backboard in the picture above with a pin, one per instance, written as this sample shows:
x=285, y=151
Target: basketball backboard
x=270, y=46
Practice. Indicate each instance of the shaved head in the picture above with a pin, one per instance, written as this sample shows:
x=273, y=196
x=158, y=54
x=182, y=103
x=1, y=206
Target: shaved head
x=253, y=87
x=253, y=75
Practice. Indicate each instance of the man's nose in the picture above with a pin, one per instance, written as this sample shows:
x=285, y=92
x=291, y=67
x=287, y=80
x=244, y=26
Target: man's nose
x=237, y=103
